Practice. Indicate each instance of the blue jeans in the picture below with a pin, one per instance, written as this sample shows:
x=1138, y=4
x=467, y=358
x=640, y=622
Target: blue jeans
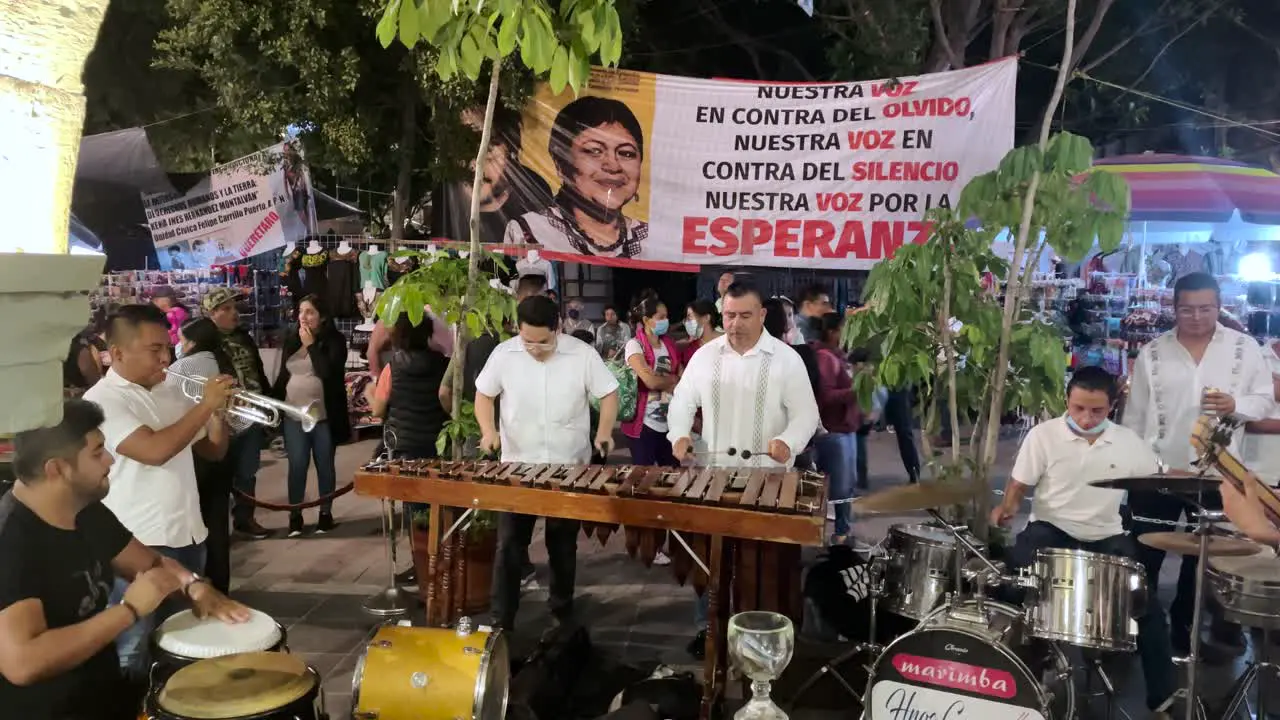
x=701, y=609
x=1155, y=649
x=245, y=457
x=133, y=645
x=301, y=447
x=837, y=455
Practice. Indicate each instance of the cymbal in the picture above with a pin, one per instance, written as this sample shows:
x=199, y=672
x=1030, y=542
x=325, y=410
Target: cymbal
x=916, y=496
x=241, y=685
x=1182, y=543
x=1178, y=484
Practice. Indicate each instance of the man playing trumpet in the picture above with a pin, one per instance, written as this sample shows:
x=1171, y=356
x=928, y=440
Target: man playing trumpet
x=152, y=429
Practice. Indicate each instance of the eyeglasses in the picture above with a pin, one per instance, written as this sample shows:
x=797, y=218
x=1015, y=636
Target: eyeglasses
x=1194, y=311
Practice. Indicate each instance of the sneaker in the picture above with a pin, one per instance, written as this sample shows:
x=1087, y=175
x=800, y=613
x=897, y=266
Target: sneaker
x=251, y=528
x=296, y=528
x=660, y=558
x=529, y=581
x=407, y=579
x=698, y=646
x=325, y=524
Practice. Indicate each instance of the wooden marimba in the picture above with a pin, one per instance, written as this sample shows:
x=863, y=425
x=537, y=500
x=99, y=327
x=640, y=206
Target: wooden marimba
x=743, y=526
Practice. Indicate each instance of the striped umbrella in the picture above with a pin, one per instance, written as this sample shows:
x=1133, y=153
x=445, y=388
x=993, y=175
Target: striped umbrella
x=1183, y=188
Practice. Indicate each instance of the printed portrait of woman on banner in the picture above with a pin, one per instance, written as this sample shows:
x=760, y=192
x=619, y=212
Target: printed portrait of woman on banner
x=596, y=146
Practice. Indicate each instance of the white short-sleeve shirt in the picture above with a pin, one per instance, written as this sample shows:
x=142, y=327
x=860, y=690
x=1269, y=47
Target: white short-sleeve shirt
x=160, y=505
x=546, y=416
x=1060, y=464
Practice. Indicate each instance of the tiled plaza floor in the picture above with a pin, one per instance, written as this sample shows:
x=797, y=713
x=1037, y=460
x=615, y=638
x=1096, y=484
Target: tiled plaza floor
x=314, y=586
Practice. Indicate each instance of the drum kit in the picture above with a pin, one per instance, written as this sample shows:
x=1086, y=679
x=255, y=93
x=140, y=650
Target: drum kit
x=995, y=643
x=204, y=669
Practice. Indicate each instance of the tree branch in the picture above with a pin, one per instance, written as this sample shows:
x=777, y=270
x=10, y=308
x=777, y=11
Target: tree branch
x=940, y=30
x=1147, y=27
x=1165, y=48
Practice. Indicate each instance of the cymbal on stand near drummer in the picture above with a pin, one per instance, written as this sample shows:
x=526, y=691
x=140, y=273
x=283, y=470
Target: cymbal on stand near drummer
x=1174, y=484
x=1182, y=543
x=913, y=497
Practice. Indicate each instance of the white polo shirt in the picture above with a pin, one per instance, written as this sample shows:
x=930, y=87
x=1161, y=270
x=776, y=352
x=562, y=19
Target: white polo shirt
x=160, y=505
x=1060, y=464
x=546, y=416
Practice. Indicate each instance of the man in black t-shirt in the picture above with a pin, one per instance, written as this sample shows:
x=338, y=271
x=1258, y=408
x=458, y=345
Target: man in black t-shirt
x=60, y=550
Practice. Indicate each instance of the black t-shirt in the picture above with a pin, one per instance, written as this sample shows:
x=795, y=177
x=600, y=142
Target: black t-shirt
x=70, y=573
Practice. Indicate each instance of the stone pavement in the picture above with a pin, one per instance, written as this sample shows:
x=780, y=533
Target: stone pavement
x=314, y=585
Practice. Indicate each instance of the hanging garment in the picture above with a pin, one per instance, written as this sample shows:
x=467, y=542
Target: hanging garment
x=542, y=267
x=398, y=267
x=373, y=269
x=344, y=283
x=308, y=275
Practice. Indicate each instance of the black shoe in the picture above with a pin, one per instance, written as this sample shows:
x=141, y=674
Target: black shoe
x=698, y=646
x=296, y=527
x=251, y=528
x=325, y=524
x=408, y=580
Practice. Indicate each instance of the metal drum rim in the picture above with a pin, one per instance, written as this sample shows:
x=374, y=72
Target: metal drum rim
x=899, y=530
x=1105, y=558
x=1229, y=578
x=482, y=675
x=1074, y=640
x=357, y=675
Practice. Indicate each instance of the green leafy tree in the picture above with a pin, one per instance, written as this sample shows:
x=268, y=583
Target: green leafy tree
x=554, y=40
x=1012, y=360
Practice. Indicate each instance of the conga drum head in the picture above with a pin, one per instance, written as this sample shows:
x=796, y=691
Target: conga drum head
x=236, y=686
x=188, y=636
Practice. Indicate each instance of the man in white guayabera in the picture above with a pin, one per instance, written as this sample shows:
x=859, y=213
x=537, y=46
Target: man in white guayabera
x=1059, y=458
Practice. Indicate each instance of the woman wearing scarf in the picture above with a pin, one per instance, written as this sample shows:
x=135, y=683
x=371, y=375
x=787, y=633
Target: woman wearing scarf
x=656, y=362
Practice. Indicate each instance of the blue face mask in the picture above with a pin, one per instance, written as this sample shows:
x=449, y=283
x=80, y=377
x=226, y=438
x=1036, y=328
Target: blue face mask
x=661, y=327
x=1096, y=430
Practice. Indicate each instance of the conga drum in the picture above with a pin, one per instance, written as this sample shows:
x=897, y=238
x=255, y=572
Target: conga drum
x=247, y=686
x=184, y=638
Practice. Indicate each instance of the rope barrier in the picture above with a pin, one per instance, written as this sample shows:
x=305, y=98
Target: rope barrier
x=286, y=507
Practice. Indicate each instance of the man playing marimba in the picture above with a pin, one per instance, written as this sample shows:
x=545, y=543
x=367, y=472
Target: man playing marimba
x=1059, y=458
x=544, y=379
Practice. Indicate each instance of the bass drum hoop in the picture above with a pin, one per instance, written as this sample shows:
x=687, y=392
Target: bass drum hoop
x=492, y=644
x=1059, y=659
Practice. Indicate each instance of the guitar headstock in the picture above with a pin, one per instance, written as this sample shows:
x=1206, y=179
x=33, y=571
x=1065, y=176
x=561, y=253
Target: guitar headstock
x=1212, y=435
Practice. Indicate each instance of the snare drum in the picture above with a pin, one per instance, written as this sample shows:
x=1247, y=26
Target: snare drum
x=1087, y=599
x=1248, y=589
x=247, y=686
x=973, y=660
x=184, y=639
x=415, y=673
x=919, y=570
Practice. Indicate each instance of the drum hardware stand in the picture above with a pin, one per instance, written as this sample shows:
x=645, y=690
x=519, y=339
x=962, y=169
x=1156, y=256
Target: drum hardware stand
x=1095, y=669
x=1205, y=520
x=391, y=601
x=1262, y=663
x=872, y=647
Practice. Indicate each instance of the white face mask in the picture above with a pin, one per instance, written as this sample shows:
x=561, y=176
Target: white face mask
x=693, y=329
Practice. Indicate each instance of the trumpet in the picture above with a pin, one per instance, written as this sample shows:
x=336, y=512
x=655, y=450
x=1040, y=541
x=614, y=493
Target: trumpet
x=251, y=406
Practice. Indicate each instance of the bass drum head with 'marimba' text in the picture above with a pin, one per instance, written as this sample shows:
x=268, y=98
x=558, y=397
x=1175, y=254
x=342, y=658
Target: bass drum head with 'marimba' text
x=950, y=668
x=246, y=686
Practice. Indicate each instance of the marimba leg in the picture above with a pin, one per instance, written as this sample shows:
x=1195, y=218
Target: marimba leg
x=433, y=550
x=719, y=592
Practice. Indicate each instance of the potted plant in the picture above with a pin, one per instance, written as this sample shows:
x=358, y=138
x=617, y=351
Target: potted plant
x=480, y=544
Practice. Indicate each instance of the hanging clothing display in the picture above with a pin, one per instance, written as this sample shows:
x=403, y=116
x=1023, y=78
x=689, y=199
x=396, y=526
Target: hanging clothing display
x=542, y=267
x=400, y=266
x=373, y=269
x=307, y=275
x=344, y=283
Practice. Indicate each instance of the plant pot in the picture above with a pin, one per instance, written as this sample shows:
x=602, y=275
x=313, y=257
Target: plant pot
x=477, y=582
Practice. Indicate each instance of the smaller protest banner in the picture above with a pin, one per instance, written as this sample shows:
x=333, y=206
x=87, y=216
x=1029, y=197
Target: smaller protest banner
x=246, y=207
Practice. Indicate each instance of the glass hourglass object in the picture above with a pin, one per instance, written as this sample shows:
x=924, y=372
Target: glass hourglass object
x=760, y=646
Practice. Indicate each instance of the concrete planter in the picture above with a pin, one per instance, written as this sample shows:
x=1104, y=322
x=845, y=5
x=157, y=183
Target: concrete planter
x=44, y=302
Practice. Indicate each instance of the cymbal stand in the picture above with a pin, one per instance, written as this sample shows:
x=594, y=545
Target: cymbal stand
x=872, y=647
x=390, y=601
x=1262, y=664
x=1205, y=520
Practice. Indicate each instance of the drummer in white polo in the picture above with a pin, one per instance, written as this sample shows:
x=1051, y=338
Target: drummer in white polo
x=1059, y=458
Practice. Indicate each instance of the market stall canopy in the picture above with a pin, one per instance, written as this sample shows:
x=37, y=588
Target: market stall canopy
x=1193, y=189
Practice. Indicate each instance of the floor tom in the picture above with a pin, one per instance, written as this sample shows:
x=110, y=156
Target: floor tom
x=1248, y=588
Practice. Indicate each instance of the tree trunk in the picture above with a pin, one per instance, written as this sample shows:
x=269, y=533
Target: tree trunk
x=473, y=259
x=991, y=437
x=408, y=134
x=1073, y=54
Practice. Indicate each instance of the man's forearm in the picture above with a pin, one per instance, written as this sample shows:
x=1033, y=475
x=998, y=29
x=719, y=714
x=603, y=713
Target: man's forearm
x=55, y=652
x=1269, y=426
x=484, y=414
x=162, y=446
x=1014, y=492
x=608, y=412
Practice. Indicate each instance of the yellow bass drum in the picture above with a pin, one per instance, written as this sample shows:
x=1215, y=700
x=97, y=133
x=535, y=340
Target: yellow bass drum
x=415, y=673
